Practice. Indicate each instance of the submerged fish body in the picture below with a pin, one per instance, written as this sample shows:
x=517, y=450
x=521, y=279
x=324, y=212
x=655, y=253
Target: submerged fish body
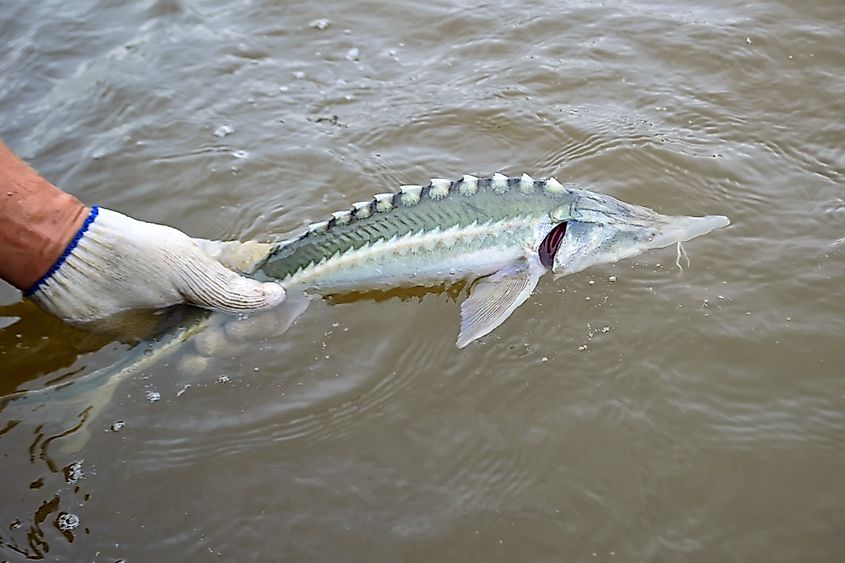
x=500, y=233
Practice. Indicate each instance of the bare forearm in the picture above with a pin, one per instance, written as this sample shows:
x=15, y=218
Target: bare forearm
x=37, y=221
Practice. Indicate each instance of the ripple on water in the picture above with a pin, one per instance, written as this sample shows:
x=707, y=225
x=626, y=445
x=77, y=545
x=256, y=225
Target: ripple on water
x=302, y=409
x=707, y=420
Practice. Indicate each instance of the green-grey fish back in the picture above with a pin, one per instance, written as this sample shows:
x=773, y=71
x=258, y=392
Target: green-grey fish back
x=440, y=204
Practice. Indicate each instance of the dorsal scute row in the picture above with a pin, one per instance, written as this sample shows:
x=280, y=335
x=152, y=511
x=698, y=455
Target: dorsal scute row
x=437, y=189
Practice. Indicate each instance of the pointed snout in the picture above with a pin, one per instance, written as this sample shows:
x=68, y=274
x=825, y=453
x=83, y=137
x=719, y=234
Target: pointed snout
x=681, y=229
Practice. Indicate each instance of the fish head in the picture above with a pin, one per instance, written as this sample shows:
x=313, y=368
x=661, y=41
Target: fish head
x=600, y=229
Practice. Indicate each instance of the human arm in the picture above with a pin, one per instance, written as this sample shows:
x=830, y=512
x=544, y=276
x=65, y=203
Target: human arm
x=84, y=263
x=37, y=221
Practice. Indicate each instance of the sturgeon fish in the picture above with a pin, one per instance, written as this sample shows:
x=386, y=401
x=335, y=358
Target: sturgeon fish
x=498, y=234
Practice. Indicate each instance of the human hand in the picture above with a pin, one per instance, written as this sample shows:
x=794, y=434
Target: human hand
x=116, y=263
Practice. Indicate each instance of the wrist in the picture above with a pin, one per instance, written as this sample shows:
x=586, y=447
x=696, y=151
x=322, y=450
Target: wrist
x=37, y=240
x=62, y=251
x=54, y=230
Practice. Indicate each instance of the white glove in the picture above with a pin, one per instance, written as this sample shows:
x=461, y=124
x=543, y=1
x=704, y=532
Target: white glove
x=116, y=263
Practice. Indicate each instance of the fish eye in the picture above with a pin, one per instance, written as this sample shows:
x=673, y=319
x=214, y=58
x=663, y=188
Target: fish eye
x=551, y=244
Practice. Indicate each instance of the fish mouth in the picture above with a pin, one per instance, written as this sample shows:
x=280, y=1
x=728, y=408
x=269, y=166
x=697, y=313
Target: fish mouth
x=681, y=229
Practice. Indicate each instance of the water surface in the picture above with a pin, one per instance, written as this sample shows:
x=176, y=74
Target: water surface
x=663, y=416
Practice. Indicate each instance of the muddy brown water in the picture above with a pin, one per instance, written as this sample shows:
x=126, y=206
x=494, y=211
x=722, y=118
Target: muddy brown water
x=663, y=416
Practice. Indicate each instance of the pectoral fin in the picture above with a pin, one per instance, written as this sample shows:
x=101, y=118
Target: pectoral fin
x=492, y=299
